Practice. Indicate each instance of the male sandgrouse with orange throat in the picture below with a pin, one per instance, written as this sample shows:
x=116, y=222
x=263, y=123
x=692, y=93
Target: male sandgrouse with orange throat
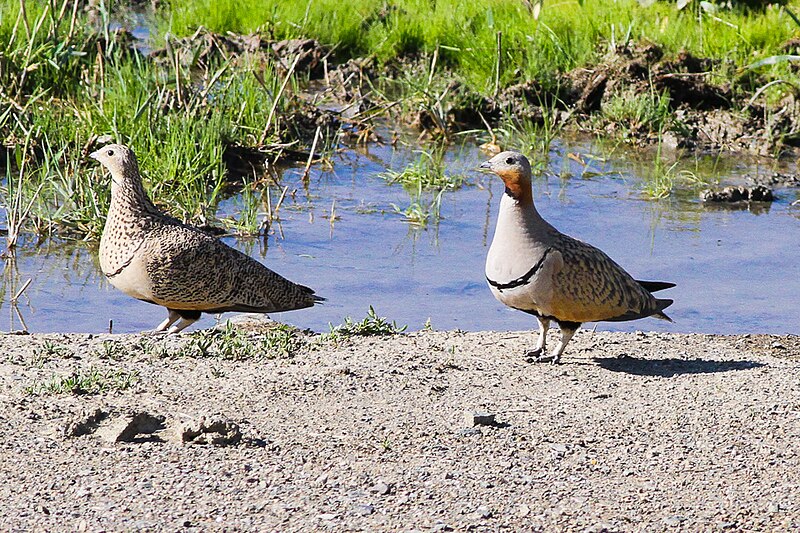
x=156, y=258
x=533, y=267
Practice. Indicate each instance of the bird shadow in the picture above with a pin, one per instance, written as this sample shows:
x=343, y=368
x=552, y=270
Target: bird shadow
x=669, y=367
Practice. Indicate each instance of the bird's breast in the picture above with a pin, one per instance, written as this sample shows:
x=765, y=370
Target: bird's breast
x=131, y=277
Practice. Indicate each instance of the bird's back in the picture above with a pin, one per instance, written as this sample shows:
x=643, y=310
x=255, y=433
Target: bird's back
x=591, y=286
x=190, y=269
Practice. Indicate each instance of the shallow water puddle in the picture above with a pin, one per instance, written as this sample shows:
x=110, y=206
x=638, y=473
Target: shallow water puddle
x=736, y=271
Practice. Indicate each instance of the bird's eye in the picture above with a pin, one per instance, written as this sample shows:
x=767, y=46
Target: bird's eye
x=510, y=161
x=110, y=153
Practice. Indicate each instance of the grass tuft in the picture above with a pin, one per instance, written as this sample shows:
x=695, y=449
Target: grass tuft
x=371, y=325
x=231, y=343
x=91, y=381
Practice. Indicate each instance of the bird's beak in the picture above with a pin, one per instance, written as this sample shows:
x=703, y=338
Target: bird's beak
x=486, y=165
x=95, y=155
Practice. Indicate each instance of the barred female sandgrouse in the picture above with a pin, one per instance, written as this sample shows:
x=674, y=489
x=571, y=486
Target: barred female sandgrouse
x=156, y=258
x=534, y=268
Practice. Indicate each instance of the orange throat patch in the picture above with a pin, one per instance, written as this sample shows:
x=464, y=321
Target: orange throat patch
x=517, y=186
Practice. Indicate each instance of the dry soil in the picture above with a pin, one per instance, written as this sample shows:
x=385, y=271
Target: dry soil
x=633, y=432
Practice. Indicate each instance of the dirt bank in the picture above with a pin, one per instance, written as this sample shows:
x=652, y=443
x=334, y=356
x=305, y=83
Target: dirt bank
x=634, y=432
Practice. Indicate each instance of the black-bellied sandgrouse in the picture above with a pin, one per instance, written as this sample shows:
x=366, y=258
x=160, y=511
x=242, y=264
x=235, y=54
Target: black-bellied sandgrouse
x=533, y=267
x=156, y=258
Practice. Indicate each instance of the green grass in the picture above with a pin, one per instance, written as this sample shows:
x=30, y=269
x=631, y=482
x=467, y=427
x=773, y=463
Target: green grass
x=371, y=325
x=49, y=351
x=231, y=343
x=565, y=35
x=425, y=180
x=424, y=207
x=637, y=115
x=179, y=114
x=66, y=80
x=91, y=381
x=662, y=178
x=428, y=172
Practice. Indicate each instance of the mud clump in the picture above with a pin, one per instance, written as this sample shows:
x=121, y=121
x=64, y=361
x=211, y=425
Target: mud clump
x=203, y=47
x=216, y=430
x=110, y=426
x=84, y=423
x=780, y=179
x=758, y=193
x=307, y=53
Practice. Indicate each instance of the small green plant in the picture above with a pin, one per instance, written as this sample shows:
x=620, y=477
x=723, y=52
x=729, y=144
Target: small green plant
x=231, y=343
x=423, y=208
x=47, y=352
x=371, y=325
x=51, y=350
x=661, y=179
x=91, y=381
x=151, y=348
x=638, y=114
x=427, y=173
x=110, y=350
x=659, y=182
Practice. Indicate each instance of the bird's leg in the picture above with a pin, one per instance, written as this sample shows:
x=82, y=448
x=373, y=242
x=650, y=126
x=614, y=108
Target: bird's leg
x=181, y=325
x=172, y=317
x=568, y=329
x=188, y=317
x=541, y=341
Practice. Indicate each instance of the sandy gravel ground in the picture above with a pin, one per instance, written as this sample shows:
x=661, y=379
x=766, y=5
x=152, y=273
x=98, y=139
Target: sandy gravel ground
x=634, y=432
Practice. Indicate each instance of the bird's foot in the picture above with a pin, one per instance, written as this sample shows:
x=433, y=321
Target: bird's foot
x=154, y=332
x=532, y=356
x=539, y=356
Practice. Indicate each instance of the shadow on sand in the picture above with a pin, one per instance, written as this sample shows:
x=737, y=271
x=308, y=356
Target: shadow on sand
x=669, y=367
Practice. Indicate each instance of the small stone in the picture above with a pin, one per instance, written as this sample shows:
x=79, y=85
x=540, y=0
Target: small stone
x=364, y=509
x=469, y=432
x=558, y=448
x=441, y=527
x=381, y=488
x=773, y=507
x=524, y=510
x=777, y=345
x=674, y=521
x=478, y=418
x=601, y=527
x=483, y=511
x=326, y=516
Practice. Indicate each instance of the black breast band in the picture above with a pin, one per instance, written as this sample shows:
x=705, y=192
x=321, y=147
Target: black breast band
x=522, y=280
x=127, y=263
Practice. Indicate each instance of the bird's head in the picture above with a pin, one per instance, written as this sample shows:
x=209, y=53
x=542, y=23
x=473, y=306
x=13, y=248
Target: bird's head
x=515, y=171
x=118, y=159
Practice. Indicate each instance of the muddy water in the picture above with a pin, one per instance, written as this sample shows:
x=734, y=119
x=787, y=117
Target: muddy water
x=736, y=270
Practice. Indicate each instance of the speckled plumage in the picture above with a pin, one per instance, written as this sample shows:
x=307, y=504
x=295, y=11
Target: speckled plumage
x=156, y=258
x=533, y=267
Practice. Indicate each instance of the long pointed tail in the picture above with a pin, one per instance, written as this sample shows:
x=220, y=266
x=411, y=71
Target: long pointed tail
x=655, y=286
